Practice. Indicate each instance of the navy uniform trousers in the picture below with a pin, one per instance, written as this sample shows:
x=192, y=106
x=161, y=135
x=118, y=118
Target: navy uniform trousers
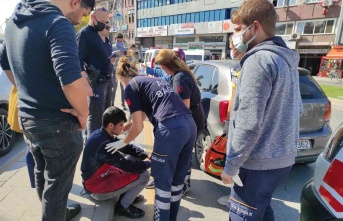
x=174, y=140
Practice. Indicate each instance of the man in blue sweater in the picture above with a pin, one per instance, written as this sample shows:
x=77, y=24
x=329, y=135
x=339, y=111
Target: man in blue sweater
x=52, y=94
x=264, y=122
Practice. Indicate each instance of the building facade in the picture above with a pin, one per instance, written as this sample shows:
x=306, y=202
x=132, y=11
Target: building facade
x=174, y=23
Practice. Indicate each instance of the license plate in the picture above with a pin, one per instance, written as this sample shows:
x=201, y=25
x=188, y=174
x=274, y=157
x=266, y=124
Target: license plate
x=304, y=145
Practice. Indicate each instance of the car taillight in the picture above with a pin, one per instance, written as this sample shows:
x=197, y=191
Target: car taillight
x=153, y=63
x=223, y=105
x=327, y=115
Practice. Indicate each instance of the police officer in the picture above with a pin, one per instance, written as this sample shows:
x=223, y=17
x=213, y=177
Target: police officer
x=174, y=131
x=94, y=51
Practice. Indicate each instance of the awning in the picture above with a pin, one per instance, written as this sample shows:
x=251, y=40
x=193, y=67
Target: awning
x=335, y=53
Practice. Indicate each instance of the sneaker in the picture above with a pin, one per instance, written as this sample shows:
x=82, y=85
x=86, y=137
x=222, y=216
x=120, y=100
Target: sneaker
x=185, y=189
x=150, y=185
x=72, y=211
x=223, y=200
x=131, y=212
x=138, y=199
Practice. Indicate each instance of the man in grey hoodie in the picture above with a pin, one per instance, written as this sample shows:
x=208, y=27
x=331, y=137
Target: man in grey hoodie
x=52, y=94
x=264, y=122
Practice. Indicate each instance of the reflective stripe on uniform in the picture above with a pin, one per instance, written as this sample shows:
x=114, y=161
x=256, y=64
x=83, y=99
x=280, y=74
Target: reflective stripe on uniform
x=161, y=205
x=177, y=188
x=176, y=198
x=163, y=194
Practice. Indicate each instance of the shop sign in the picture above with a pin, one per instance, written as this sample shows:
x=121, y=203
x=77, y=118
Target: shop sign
x=118, y=16
x=196, y=45
x=132, y=11
x=187, y=25
x=227, y=26
x=215, y=27
x=313, y=51
x=313, y=43
x=291, y=44
x=124, y=27
x=175, y=26
x=185, y=31
x=152, y=31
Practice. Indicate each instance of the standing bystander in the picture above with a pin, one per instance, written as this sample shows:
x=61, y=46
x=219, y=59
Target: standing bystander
x=261, y=146
x=94, y=52
x=42, y=52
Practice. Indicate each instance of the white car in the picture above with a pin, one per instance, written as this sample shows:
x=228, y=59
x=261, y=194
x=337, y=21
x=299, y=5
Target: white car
x=198, y=55
x=149, y=58
x=7, y=136
x=322, y=196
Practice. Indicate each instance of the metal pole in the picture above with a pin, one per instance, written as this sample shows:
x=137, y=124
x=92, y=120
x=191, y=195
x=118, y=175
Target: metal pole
x=339, y=30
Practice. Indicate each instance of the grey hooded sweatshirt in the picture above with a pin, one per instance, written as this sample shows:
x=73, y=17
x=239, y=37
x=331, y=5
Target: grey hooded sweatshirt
x=43, y=56
x=264, y=122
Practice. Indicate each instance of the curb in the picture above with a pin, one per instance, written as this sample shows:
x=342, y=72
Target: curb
x=335, y=99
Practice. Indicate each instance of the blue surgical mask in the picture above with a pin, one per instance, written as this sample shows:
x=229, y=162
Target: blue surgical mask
x=238, y=43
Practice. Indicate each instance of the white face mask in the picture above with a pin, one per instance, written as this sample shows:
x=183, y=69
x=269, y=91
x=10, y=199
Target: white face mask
x=232, y=54
x=238, y=43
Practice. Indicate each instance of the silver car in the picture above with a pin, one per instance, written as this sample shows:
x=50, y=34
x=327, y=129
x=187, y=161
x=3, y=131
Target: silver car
x=214, y=81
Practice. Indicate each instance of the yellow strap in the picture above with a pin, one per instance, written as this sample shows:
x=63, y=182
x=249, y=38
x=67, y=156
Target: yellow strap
x=136, y=84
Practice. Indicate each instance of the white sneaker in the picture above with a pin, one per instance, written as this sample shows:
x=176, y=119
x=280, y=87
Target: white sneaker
x=223, y=200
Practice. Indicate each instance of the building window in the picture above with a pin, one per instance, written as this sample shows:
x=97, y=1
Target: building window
x=185, y=40
x=133, y=18
x=133, y=34
x=211, y=38
x=284, y=28
x=313, y=1
x=313, y=27
x=285, y=3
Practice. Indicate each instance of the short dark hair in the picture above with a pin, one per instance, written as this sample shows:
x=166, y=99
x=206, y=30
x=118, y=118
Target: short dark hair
x=88, y=3
x=132, y=46
x=119, y=35
x=113, y=115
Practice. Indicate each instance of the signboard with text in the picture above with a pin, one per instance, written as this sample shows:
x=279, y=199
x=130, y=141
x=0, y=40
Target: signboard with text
x=215, y=27
x=152, y=31
x=313, y=51
x=185, y=31
x=196, y=45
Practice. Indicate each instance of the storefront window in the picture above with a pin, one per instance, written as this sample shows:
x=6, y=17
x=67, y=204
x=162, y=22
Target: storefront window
x=211, y=38
x=322, y=26
x=185, y=40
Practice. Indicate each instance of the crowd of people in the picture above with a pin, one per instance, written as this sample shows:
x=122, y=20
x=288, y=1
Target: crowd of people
x=65, y=83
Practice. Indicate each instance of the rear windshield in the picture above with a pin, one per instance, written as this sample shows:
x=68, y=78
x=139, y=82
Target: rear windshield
x=309, y=88
x=193, y=57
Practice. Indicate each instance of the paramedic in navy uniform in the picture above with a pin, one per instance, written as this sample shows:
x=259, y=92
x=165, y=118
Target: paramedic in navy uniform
x=174, y=131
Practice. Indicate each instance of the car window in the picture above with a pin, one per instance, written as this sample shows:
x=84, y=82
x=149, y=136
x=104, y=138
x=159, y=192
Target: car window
x=190, y=57
x=207, y=57
x=215, y=81
x=148, y=57
x=203, y=75
x=309, y=89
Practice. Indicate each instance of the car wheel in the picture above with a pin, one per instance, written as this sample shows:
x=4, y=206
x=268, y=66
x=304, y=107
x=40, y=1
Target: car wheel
x=6, y=134
x=203, y=142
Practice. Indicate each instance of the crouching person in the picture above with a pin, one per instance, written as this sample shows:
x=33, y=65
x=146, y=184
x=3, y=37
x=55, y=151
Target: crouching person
x=123, y=173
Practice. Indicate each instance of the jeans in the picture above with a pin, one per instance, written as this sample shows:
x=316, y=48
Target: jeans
x=30, y=163
x=252, y=201
x=170, y=160
x=56, y=145
x=96, y=104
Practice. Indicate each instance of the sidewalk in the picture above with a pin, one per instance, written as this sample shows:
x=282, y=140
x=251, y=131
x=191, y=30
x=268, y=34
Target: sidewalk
x=328, y=81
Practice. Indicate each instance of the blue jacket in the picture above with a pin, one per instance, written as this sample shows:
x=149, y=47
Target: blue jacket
x=158, y=72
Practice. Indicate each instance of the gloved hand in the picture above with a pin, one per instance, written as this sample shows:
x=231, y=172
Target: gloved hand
x=226, y=127
x=115, y=146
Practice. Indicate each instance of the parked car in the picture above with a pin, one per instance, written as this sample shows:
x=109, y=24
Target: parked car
x=150, y=56
x=322, y=196
x=198, y=55
x=214, y=81
x=7, y=136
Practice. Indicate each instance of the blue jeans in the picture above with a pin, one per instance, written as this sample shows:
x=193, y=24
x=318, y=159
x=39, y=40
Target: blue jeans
x=252, y=201
x=56, y=145
x=170, y=160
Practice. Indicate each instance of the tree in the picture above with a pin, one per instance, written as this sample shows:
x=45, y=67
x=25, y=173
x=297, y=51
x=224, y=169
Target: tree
x=83, y=23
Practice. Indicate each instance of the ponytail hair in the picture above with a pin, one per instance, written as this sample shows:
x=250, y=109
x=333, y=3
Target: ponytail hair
x=125, y=68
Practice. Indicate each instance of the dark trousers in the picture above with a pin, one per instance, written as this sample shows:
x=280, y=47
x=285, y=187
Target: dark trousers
x=56, y=145
x=122, y=95
x=30, y=163
x=170, y=160
x=252, y=201
x=96, y=104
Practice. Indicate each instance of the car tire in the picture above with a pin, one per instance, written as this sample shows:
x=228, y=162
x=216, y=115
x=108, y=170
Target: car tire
x=202, y=142
x=7, y=136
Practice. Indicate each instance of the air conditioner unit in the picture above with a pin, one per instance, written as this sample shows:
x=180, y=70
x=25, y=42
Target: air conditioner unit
x=296, y=36
x=327, y=3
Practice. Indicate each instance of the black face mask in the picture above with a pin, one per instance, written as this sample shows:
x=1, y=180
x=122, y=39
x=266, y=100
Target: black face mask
x=100, y=26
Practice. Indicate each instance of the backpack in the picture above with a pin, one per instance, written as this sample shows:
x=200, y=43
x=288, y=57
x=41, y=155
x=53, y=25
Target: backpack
x=216, y=155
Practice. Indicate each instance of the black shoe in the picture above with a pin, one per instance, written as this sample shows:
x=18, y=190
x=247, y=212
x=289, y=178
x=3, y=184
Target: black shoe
x=72, y=211
x=138, y=199
x=131, y=212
